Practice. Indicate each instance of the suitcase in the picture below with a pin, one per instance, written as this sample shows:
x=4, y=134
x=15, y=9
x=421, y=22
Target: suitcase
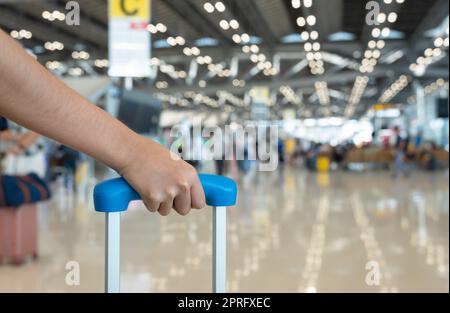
x=113, y=196
x=18, y=233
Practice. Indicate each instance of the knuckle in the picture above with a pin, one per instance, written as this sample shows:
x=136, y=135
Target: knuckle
x=183, y=185
x=156, y=197
x=169, y=194
x=191, y=172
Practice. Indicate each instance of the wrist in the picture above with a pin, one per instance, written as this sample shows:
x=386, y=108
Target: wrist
x=132, y=150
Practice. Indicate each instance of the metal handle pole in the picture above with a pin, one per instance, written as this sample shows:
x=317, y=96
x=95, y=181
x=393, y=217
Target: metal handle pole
x=219, y=249
x=112, y=252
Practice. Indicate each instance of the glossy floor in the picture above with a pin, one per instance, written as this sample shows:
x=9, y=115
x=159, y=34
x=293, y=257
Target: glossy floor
x=292, y=231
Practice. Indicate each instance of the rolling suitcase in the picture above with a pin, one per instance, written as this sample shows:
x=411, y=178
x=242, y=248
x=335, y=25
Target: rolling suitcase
x=18, y=233
x=113, y=196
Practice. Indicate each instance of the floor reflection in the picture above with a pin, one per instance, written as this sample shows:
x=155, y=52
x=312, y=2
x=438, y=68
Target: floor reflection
x=291, y=231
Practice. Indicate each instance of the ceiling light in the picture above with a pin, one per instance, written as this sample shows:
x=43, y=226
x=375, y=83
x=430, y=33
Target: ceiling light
x=234, y=24
x=307, y=3
x=311, y=20
x=381, y=44
x=296, y=4
x=254, y=48
x=385, y=32
x=308, y=46
x=245, y=38
x=305, y=35
x=376, y=32
x=207, y=59
x=220, y=6
x=381, y=18
x=195, y=51
x=301, y=21
x=224, y=25
x=392, y=17
x=314, y=35
x=161, y=27
x=152, y=28
x=187, y=51
x=208, y=7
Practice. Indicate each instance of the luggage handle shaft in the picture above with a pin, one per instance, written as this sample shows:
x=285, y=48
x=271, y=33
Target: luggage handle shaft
x=113, y=196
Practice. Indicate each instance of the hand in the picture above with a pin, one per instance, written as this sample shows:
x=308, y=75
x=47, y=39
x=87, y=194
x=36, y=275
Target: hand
x=162, y=179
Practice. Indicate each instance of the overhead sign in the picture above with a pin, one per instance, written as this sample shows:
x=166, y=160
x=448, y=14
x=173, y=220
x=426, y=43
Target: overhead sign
x=382, y=106
x=129, y=40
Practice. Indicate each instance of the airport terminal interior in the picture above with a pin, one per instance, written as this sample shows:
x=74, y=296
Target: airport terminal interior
x=332, y=117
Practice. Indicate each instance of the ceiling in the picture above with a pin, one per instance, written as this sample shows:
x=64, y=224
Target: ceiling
x=285, y=64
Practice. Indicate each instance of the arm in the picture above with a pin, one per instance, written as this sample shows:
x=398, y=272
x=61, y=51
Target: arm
x=32, y=97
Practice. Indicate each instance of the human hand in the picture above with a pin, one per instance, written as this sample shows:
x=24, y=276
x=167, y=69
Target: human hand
x=162, y=179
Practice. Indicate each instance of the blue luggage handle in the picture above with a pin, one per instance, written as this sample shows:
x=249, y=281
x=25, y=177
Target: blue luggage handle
x=113, y=197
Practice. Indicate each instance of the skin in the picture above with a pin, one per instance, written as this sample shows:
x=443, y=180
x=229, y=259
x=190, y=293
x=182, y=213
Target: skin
x=34, y=98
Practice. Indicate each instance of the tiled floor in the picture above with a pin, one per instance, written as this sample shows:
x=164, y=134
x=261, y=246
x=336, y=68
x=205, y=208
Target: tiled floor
x=291, y=231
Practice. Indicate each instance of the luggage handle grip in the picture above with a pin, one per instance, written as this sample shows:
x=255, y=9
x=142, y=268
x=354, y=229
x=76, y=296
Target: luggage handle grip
x=115, y=194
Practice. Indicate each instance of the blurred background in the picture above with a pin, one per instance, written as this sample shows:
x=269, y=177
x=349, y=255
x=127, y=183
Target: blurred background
x=358, y=91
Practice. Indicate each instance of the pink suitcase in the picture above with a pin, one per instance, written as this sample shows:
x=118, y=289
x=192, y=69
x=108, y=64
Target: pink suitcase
x=18, y=233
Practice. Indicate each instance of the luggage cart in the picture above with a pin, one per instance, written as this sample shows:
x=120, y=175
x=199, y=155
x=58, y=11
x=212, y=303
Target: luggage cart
x=113, y=196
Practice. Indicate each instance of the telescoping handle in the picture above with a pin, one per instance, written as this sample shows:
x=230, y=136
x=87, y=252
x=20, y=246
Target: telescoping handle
x=113, y=196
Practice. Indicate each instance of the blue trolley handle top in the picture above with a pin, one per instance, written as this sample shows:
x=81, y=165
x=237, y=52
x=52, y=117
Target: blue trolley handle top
x=113, y=197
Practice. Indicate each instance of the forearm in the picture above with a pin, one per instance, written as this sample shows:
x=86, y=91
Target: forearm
x=31, y=96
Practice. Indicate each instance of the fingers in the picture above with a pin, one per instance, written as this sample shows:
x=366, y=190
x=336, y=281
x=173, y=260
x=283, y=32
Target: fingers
x=182, y=202
x=180, y=190
x=197, y=194
x=151, y=205
x=165, y=207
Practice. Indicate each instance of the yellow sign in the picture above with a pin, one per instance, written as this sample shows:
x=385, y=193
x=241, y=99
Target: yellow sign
x=382, y=106
x=130, y=8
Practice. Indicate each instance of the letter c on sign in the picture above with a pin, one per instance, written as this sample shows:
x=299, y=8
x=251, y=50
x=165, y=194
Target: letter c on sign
x=125, y=10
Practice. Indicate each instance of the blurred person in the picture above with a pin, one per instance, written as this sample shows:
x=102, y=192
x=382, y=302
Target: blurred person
x=397, y=136
x=281, y=150
x=427, y=157
x=401, y=158
x=20, y=151
x=17, y=142
x=338, y=155
x=34, y=98
x=290, y=148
